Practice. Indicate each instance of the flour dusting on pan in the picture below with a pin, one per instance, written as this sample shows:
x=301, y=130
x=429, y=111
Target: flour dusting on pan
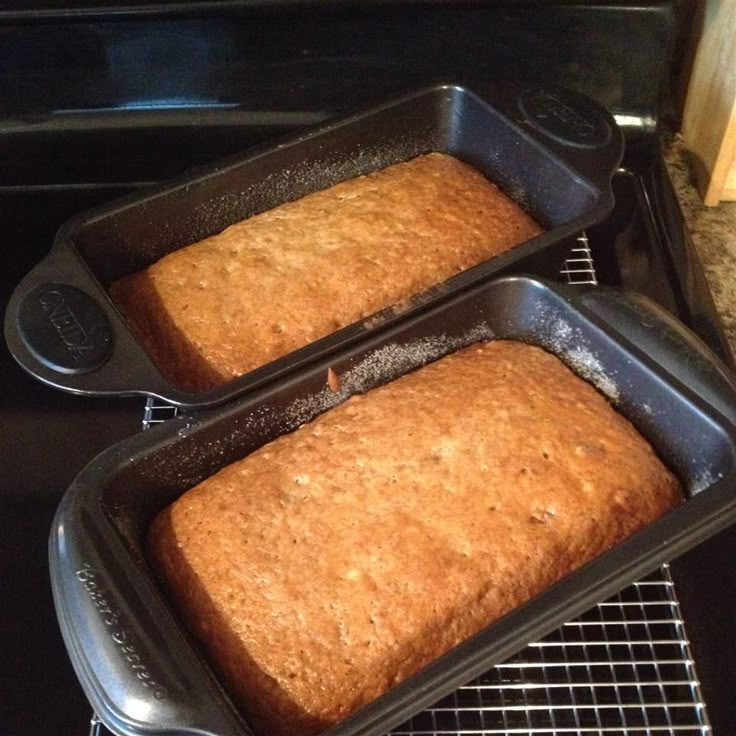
x=383, y=365
x=587, y=366
x=569, y=344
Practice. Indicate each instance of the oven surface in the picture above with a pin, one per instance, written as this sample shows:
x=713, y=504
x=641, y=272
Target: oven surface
x=95, y=104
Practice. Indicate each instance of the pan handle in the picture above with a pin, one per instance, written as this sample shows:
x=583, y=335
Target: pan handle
x=570, y=125
x=583, y=132
x=655, y=332
x=131, y=657
x=62, y=328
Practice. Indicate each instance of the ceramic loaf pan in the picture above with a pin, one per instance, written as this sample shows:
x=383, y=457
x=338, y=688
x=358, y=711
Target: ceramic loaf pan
x=551, y=150
x=136, y=663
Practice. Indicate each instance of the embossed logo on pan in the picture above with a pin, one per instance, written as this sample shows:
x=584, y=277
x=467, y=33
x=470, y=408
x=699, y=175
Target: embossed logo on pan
x=64, y=328
x=547, y=105
x=566, y=117
x=120, y=634
x=65, y=322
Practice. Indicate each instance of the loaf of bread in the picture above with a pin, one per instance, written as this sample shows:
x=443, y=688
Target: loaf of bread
x=279, y=280
x=336, y=561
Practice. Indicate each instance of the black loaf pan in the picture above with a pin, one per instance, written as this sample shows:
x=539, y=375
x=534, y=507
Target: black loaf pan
x=139, y=669
x=551, y=150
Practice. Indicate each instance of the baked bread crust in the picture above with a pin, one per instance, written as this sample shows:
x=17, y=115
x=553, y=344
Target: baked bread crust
x=277, y=281
x=336, y=561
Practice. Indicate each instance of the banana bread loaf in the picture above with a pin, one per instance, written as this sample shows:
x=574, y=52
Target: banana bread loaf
x=279, y=280
x=336, y=561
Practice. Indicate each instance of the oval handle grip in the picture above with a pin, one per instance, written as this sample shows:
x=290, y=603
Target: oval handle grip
x=582, y=134
x=62, y=328
x=655, y=332
x=566, y=117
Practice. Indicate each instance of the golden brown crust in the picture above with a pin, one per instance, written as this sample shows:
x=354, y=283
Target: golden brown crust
x=336, y=561
x=279, y=280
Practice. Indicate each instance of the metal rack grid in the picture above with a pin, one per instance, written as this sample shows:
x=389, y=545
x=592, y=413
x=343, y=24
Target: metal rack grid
x=624, y=667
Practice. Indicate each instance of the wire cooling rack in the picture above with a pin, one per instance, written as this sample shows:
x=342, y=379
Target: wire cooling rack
x=625, y=667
